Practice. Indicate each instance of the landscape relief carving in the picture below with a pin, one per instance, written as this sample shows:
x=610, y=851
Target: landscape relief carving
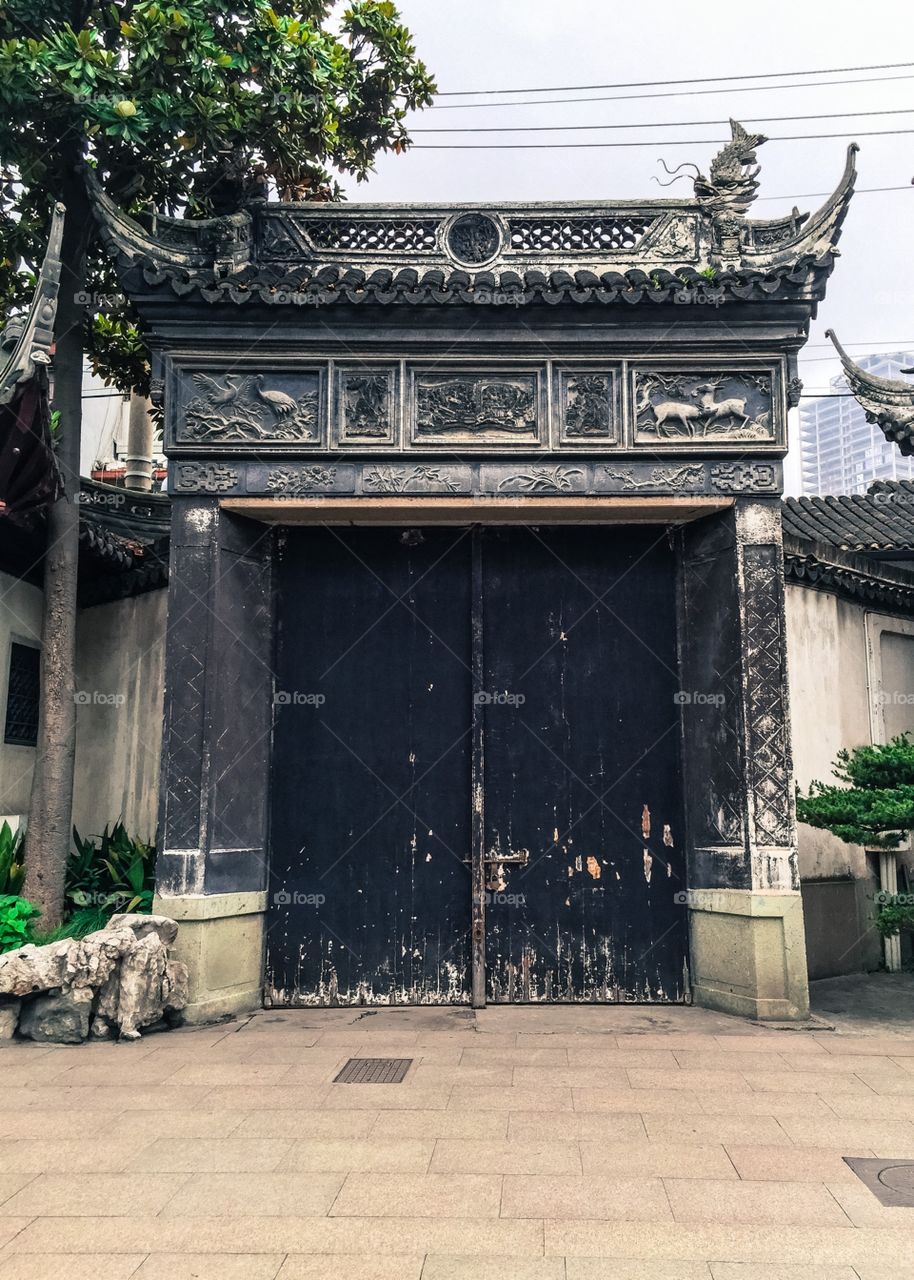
x=703, y=406
x=485, y=406
x=365, y=406
x=234, y=407
x=587, y=406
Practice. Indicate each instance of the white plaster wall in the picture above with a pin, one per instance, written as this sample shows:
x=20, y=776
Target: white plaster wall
x=120, y=677
x=829, y=709
x=20, y=620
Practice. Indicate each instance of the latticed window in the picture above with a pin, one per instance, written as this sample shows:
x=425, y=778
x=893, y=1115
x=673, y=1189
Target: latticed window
x=22, y=696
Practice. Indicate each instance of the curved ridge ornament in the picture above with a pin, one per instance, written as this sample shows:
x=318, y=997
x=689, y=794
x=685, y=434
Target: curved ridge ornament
x=732, y=180
x=887, y=402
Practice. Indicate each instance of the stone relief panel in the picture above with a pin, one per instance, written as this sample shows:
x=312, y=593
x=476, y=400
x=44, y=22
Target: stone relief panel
x=587, y=406
x=476, y=408
x=707, y=407
x=366, y=407
x=250, y=409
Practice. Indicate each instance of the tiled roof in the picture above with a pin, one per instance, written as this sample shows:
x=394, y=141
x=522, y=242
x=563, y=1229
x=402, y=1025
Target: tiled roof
x=879, y=521
x=653, y=251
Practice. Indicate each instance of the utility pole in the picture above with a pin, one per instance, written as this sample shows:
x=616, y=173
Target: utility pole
x=138, y=474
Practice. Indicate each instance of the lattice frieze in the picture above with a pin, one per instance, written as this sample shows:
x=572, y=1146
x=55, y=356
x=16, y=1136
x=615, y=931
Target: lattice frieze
x=373, y=235
x=576, y=235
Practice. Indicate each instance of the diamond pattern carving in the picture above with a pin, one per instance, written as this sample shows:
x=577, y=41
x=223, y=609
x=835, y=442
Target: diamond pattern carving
x=769, y=754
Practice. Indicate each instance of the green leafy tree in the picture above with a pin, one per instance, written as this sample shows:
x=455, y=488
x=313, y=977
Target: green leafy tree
x=192, y=106
x=873, y=804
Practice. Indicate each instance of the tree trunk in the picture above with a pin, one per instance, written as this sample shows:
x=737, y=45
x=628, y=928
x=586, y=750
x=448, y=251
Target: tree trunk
x=47, y=841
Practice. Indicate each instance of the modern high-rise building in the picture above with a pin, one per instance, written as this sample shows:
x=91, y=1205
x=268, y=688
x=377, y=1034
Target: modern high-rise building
x=840, y=452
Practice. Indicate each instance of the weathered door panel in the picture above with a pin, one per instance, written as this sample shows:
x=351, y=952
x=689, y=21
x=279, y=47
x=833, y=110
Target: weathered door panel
x=583, y=824
x=370, y=877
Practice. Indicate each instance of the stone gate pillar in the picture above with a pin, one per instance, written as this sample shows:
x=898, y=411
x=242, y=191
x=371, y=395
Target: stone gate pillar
x=215, y=784
x=746, y=918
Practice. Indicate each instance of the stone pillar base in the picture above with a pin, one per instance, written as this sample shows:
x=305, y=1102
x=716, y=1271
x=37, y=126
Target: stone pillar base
x=749, y=953
x=220, y=939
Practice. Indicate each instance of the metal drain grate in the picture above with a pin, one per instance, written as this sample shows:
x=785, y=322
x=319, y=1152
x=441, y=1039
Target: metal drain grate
x=891, y=1181
x=374, y=1071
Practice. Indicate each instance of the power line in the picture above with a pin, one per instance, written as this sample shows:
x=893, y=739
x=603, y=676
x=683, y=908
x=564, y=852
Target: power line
x=677, y=93
x=651, y=142
x=818, y=195
x=643, y=84
x=662, y=124
x=869, y=342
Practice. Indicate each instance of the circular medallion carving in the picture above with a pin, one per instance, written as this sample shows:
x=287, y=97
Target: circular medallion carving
x=473, y=238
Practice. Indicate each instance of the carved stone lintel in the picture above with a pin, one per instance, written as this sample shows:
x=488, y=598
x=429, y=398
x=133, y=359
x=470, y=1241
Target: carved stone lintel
x=744, y=477
x=658, y=479
x=535, y=479
x=204, y=477
x=294, y=481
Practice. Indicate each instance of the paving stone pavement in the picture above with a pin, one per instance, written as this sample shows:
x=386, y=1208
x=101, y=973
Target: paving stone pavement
x=524, y=1144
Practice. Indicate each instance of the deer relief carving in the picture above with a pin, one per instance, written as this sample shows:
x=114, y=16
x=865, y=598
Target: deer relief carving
x=673, y=405
x=720, y=410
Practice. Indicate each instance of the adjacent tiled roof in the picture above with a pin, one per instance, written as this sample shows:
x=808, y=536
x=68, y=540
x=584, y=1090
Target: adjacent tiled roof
x=848, y=574
x=887, y=402
x=871, y=522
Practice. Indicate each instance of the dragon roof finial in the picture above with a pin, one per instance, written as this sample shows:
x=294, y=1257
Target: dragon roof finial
x=732, y=184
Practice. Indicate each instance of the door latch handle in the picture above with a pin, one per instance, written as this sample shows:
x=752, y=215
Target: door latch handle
x=519, y=859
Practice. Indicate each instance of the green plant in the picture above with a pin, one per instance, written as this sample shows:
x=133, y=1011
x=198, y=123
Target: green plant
x=86, y=920
x=895, y=913
x=85, y=872
x=874, y=806
x=117, y=873
x=12, y=869
x=16, y=915
x=175, y=106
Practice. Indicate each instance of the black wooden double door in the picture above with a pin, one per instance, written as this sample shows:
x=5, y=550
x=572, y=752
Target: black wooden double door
x=476, y=788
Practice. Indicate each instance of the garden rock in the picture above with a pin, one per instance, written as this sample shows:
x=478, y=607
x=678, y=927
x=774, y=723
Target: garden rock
x=9, y=1017
x=115, y=981
x=62, y=1019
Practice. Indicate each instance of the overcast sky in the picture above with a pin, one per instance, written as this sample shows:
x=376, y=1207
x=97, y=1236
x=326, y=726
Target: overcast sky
x=499, y=44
